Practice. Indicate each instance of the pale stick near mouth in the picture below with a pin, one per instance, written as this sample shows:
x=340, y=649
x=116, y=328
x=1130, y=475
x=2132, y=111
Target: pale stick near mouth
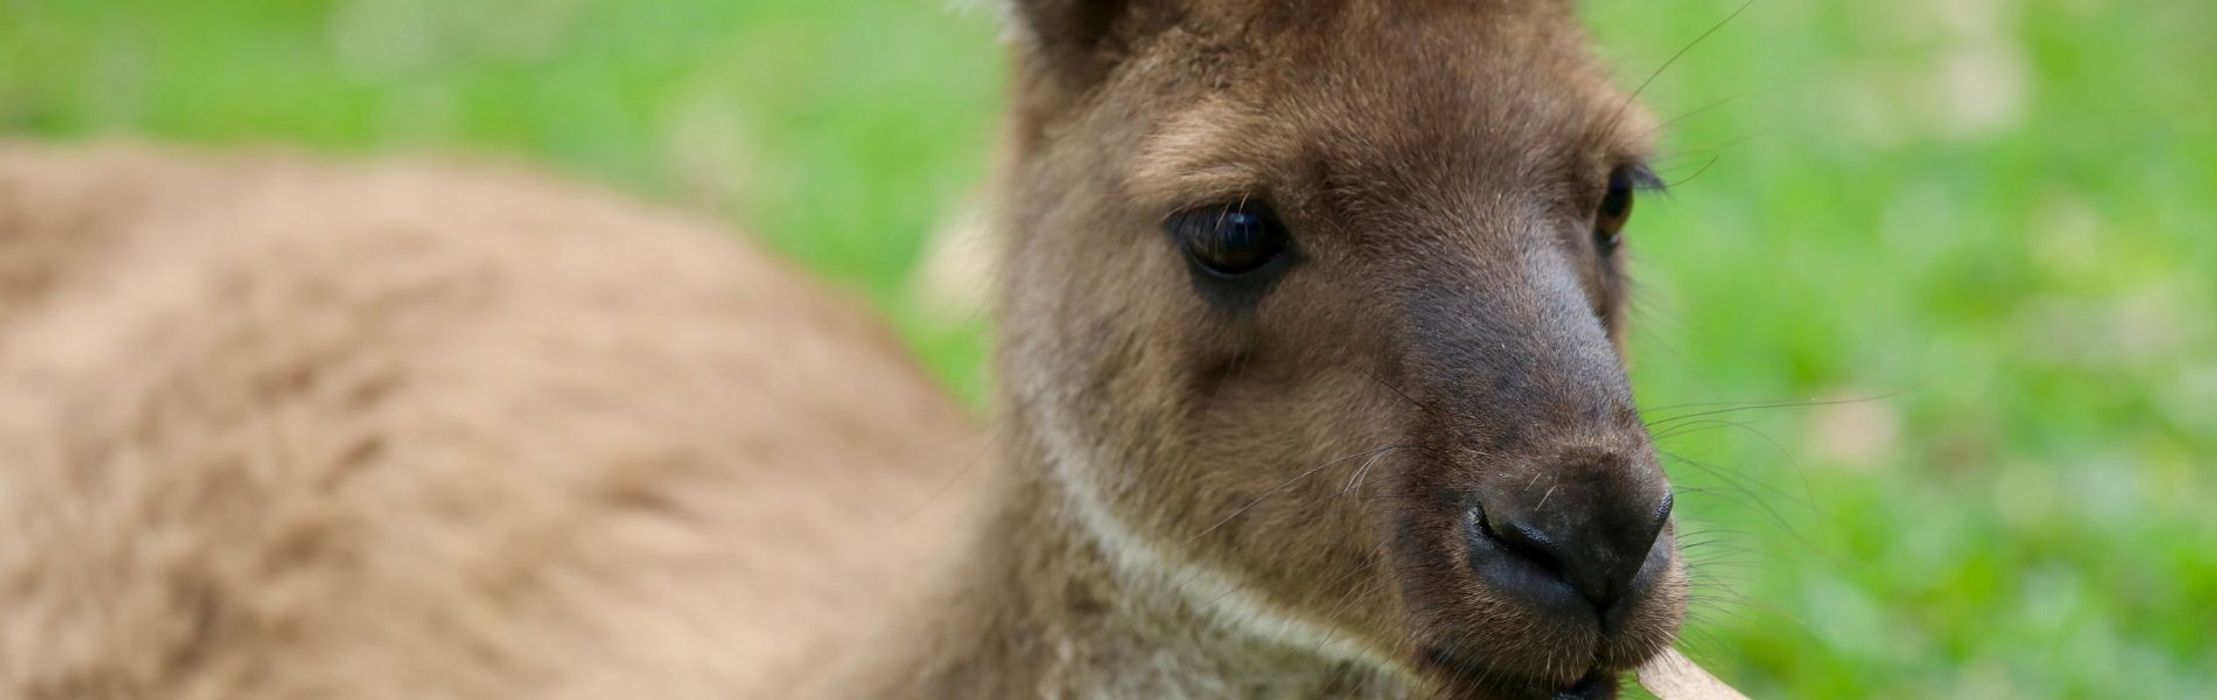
x=1672, y=676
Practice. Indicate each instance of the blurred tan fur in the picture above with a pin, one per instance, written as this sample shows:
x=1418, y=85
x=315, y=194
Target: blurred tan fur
x=277, y=429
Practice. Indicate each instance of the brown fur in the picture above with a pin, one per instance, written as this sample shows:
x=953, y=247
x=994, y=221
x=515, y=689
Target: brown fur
x=291, y=430
x=274, y=429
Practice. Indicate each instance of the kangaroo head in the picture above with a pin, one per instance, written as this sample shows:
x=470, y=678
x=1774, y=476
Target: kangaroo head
x=1315, y=310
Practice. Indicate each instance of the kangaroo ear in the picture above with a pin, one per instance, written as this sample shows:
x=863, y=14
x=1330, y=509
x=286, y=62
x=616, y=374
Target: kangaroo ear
x=1070, y=32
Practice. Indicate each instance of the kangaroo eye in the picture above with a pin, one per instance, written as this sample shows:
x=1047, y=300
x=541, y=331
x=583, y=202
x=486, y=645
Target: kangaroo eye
x=1615, y=208
x=1229, y=240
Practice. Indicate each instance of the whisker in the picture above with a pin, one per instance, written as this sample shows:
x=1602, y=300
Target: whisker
x=1420, y=406
x=1806, y=403
x=1354, y=482
x=969, y=467
x=1719, y=147
x=1667, y=63
x=1809, y=495
x=1282, y=486
x=1745, y=483
x=1697, y=173
x=1697, y=111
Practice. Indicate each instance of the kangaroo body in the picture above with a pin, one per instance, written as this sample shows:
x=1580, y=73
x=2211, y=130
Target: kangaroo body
x=274, y=429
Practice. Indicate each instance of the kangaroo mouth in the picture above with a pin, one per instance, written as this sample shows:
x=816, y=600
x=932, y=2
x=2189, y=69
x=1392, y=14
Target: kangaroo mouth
x=1469, y=679
x=1596, y=685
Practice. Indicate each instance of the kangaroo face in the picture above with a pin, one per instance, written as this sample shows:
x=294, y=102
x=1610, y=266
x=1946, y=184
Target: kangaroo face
x=1319, y=304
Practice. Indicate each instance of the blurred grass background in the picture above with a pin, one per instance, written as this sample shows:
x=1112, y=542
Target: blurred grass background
x=1926, y=326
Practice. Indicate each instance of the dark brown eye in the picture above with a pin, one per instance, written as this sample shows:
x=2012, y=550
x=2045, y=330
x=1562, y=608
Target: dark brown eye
x=1615, y=209
x=1229, y=240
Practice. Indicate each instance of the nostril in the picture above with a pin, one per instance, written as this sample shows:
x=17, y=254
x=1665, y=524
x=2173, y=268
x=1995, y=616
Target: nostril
x=1522, y=540
x=1533, y=545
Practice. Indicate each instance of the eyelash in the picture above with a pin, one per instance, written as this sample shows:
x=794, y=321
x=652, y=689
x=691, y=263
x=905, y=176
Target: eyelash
x=1644, y=179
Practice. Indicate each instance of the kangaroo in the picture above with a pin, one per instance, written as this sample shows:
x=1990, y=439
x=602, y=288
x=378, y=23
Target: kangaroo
x=1311, y=385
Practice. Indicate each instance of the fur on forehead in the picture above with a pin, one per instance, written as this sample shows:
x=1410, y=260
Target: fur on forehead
x=1514, y=94
x=1077, y=27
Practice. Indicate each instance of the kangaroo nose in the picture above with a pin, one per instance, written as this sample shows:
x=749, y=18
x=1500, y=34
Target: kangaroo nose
x=1594, y=538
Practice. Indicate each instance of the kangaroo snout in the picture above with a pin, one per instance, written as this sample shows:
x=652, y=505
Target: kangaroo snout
x=1566, y=528
x=1582, y=531
x=1537, y=500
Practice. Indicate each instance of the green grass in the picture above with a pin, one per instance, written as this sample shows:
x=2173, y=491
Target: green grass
x=1989, y=220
